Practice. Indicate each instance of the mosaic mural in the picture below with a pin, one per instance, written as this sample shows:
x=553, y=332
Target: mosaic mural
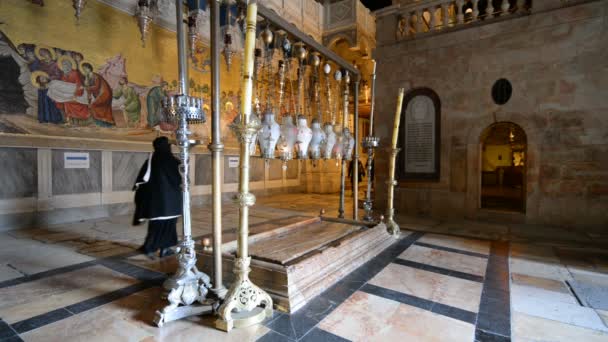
x=53, y=91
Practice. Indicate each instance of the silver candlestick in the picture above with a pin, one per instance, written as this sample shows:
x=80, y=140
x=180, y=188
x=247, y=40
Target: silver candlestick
x=187, y=289
x=370, y=143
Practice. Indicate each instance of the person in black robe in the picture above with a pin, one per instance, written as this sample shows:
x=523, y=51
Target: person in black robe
x=158, y=198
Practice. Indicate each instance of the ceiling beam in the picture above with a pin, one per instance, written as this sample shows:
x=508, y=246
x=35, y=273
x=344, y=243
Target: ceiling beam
x=281, y=23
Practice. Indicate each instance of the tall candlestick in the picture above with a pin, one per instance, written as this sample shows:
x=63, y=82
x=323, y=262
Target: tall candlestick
x=371, y=111
x=397, y=118
x=391, y=225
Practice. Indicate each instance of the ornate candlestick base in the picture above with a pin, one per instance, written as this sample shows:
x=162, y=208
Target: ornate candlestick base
x=392, y=226
x=370, y=143
x=187, y=286
x=243, y=305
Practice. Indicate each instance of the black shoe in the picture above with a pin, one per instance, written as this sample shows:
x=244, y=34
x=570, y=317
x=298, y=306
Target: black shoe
x=166, y=252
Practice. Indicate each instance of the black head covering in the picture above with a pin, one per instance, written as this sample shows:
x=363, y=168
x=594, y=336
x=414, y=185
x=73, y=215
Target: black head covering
x=161, y=145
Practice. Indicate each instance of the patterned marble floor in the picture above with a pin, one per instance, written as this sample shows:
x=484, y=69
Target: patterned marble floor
x=85, y=281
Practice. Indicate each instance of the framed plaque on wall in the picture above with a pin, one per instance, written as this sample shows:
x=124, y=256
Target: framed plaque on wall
x=420, y=136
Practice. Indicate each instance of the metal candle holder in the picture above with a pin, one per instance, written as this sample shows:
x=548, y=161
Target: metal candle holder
x=186, y=289
x=245, y=303
x=343, y=160
x=188, y=285
x=370, y=143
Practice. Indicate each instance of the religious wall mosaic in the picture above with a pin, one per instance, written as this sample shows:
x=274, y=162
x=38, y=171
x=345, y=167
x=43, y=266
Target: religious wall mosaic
x=49, y=90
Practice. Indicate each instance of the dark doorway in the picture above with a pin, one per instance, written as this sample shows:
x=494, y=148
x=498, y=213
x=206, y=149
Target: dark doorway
x=503, y=167
x=12, y=100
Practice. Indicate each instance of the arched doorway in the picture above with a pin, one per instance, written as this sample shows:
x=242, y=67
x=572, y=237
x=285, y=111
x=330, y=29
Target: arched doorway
x=503, y=167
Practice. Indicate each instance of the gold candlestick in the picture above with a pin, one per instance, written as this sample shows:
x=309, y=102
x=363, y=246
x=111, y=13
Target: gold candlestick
x=391, y=225
x=246, y=304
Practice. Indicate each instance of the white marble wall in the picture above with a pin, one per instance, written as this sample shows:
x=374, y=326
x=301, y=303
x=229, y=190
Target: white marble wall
x=125, y=166
x=36, y=188
x=76, y=181
x=18, y=173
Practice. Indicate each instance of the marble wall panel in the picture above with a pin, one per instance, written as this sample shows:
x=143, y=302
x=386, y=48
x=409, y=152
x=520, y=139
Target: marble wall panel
x=204, y=171
x=125, y=166
x=292, y=169
x=18, y=175
x=76, y=181
x=231, y=174
x=275, y=170
x=257, y=170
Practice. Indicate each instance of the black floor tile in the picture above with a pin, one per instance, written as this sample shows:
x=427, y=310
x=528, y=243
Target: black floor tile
x=338, y=293
x=453, y=250
x=439, y=270
x=398, y=296
x=484, y=336
x=273, y=336
x=320, y=335
x=317, y=309
x=46, y=274
x=41, y=320
x=14, y=338
x=5, y=330
x=453, y=312
x=494, y=317
x=293, y=326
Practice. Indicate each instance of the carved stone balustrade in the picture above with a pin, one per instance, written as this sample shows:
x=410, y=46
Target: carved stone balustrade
x=415, y=17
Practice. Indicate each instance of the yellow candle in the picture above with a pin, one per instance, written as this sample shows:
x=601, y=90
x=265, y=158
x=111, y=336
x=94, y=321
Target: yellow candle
x=397, y=118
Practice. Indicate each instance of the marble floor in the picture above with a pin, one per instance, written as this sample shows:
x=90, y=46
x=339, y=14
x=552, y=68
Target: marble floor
x=85, y=281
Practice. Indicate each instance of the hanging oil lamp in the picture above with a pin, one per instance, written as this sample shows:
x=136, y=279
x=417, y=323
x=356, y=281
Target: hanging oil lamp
x=78, y=6
x=192, y=32
x=338, y=150
x=327, y=145
x=144, y=14
x=349, y=144
x=227, y=27
x=318, y=136
x=304, y=133
x=289, y=131
x=271, y=131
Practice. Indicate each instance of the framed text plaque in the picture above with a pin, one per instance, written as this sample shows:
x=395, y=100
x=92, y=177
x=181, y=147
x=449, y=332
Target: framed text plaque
x=420, y=136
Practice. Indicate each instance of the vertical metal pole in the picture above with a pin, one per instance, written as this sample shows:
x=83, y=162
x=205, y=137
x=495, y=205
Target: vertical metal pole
x=345, y=79
x=370, y=142
x=181, y=48
x=244, y=297
x=217, y=150
x=182, y=132
x=356, y=150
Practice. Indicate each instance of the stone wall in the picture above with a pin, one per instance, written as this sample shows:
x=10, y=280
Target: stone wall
x=557, y=62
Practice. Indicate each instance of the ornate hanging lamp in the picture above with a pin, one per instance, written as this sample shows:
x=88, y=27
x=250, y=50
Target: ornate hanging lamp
x=232, y=35
x=289, y=131
x=348, y=140
x=338, y=149
x=271, y=131
x=317, y=132
x=304, y=133
x=78, y=6
x=327, y=145
x=146, y=10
